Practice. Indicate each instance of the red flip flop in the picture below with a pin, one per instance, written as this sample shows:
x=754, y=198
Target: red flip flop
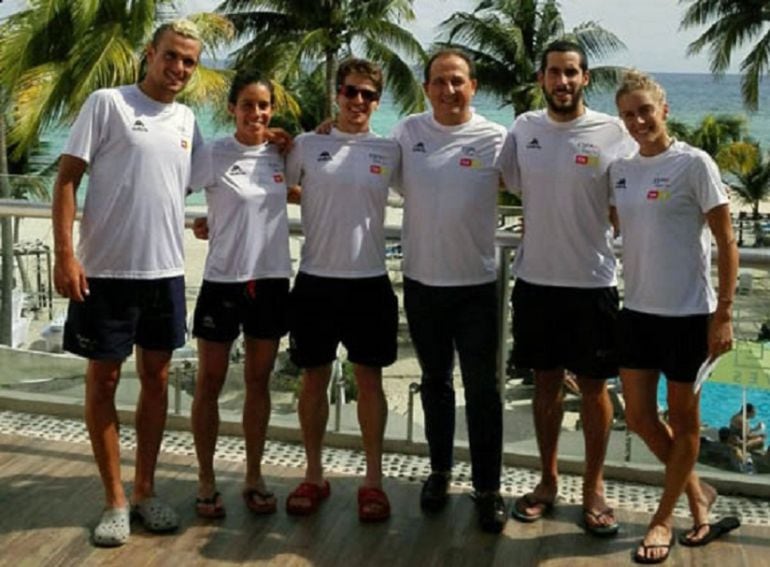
x=373, y=504
x=305, y=499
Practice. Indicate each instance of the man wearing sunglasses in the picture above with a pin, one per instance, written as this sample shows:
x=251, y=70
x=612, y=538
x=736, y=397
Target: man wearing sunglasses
x=449, y=181
x=342, y=293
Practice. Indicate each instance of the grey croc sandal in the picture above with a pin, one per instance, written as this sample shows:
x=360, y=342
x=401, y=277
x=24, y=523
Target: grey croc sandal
x=155, y=515
x=113, y=528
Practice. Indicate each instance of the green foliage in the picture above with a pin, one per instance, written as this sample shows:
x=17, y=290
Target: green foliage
x=506, y=199
x=731, y=25
x=712, y=133
x=288, y=40
x=57, y=52
x=309, y=93
x=506, y=38
x=748, y=168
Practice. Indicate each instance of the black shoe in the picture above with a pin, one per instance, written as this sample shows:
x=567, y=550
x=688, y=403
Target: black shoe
x=434, y=492
x=492, y=512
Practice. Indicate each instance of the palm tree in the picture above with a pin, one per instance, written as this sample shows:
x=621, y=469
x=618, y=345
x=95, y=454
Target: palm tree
x=712, y=133
x=507, y=38
x=731, y=24
x=288, y=37
x=749, y=169
x=56, y=53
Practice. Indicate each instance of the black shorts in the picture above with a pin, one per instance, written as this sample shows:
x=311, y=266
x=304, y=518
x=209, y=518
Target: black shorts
x=676, y=346
x=259, y=307
x=565, y=327
x=119, y=313
x=361, y=313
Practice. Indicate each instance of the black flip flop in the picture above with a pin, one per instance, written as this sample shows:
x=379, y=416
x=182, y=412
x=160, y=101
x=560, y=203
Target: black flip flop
x=642, y=558
x=716, y=530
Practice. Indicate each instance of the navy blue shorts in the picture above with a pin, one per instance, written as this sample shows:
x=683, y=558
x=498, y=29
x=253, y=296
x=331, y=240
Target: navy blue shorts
x=259, y=307
x=119, y=313
x=565, y=327
x=676, y=346
x=361, y=313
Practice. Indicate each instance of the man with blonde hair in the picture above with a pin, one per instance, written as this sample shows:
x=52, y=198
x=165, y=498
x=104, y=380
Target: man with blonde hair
x=126, y=283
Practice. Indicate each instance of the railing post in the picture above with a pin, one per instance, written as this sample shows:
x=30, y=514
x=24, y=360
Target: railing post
x=414, y=387
x=504, y=276
x=177, y=390
x=338, y=383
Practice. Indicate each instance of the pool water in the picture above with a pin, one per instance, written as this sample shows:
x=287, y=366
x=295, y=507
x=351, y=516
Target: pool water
x=719, y=402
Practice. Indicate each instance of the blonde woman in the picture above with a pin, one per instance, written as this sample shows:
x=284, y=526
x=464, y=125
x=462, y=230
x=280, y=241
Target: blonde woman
x=670, y=201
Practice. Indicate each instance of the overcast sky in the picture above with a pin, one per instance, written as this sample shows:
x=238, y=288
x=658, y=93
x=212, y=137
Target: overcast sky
x=649, y=28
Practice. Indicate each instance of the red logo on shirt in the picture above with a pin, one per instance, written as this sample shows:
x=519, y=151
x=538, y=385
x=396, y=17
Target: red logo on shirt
x=466, y=162
x=278, y=178
x=581, y=159
x=652, y=194
x=376, y=169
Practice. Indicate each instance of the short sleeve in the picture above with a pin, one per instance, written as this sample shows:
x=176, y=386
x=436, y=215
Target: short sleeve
x=396, y=183
x=294, y=163
x=611, y=176
x=202, y=171
x=508, y=164
x=709, y=190
x=90, y=127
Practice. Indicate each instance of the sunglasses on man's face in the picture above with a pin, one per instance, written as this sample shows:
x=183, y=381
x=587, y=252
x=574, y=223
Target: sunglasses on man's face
x=350, y=91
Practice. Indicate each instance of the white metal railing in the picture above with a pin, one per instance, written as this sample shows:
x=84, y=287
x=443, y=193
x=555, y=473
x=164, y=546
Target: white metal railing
x=505, y=242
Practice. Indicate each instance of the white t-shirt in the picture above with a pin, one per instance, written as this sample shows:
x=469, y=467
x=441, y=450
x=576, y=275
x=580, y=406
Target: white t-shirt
x=661, y=202
x=246, y=196
x=560, y=171
x=450, y=182
x=138, y=151
x=345, y=180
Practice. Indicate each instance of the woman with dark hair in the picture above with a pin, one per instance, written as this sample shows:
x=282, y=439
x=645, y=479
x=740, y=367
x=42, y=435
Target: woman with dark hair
x=245, y=284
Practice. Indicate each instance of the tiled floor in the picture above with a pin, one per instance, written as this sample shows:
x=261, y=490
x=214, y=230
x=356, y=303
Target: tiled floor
x=516, y=481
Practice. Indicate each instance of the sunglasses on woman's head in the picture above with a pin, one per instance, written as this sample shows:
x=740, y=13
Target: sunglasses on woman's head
x=350, y=91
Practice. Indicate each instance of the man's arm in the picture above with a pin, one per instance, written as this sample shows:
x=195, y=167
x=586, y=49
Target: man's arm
x=720, y=338
x=69, y=276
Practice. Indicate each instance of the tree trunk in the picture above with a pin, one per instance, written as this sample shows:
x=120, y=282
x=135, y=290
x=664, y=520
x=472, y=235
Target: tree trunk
x=331, y=87
x=6, y=276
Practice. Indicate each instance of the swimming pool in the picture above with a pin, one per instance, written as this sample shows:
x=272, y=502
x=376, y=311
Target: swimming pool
x=719, y=402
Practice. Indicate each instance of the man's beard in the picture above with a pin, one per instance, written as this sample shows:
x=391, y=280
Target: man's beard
x=559, y=108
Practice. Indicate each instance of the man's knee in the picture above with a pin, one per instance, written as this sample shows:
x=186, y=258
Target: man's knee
x=102, y=378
